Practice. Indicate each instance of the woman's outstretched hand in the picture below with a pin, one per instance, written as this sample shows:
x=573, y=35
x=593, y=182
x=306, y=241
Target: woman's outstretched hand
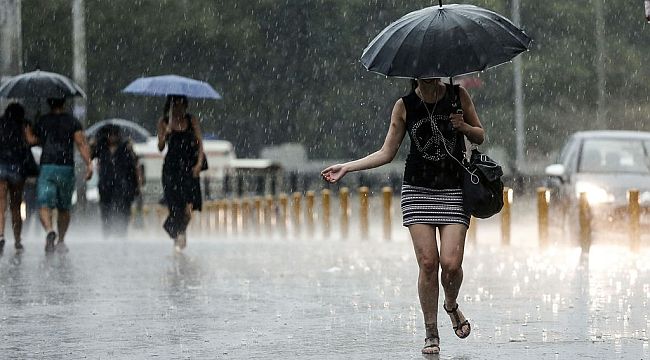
x=334, y=173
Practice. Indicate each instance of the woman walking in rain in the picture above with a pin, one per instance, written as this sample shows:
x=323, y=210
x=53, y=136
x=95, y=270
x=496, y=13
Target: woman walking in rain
x=119, y=179
x=14, y=157
x=431, y=192
x=181, y=133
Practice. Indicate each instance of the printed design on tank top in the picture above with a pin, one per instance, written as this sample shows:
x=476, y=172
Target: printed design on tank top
x=429, y=141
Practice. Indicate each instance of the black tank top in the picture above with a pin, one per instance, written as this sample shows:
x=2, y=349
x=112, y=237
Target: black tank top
x=428, y=163
x=182, y=150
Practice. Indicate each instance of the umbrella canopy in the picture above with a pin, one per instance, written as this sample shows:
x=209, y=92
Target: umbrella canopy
x=129, y=129
x=171, y=85
x=40, y=84
x=444, y=41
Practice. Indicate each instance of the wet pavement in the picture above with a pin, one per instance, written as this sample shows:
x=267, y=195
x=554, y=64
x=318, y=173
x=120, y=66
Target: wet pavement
x=259, y=297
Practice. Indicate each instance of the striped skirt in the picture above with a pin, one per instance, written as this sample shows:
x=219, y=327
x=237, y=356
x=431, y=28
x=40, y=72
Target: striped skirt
x=421, y=205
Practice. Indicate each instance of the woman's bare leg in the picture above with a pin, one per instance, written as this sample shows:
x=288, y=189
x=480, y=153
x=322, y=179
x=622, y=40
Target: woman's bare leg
x=4, y=187
x=15, y=201
x=426, y=252
x=452, y=250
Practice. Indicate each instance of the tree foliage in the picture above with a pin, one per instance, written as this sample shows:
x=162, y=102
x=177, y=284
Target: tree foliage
x=289, y=70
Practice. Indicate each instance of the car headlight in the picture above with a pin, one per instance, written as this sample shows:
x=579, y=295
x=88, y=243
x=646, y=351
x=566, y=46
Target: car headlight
x=595, y=194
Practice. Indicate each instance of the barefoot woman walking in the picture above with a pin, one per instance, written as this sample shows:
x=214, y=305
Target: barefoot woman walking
x=431, y=192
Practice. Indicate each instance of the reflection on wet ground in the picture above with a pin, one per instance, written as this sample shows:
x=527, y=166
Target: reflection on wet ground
x=313, y=298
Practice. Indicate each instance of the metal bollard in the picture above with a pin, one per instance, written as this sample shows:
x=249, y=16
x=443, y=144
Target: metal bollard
x=223, y=216
x=245, y=214
x=284, y=213
x=236, y=216
x=310, y=199
x=325, y=194
x=218, y=224
x=269, y=213
x=387, y=196
x=161, y=211
x=145, y=216
x=635, y=218
x=585, y=222
x=471, y=230
x=505, y=216
x=364, y=209
x=259, y=214
x=344, y=197
x=295, y=205
x=543, y=198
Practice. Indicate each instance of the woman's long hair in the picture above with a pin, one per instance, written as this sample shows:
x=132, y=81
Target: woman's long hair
x=170, y=98
x=414, y=85
x=14, y=114
x=12, y=126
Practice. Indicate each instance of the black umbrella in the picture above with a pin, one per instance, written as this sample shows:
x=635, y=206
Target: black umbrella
x=40, y=84
x=444, y=41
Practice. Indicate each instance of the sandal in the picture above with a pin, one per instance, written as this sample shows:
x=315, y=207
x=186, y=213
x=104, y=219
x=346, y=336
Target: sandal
x=458, y=327
x=431, y=345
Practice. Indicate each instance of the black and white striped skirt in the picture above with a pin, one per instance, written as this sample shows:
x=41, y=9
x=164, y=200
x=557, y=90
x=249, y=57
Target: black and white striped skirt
x=421, y=205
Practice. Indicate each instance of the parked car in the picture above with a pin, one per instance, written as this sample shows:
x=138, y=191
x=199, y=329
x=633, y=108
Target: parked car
x=605, y=165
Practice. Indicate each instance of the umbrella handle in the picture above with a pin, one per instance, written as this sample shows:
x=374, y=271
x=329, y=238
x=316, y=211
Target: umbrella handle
x=456, y=98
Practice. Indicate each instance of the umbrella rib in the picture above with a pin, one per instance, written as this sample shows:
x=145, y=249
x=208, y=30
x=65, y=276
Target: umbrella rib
x=406, y=33
x=484, y=46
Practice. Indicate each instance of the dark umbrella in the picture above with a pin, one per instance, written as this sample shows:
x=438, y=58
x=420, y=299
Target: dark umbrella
x=444, y=41
x=40, y=84
x=129, y=129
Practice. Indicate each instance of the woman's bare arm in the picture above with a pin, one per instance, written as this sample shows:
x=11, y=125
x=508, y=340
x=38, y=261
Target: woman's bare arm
x=199, y=142
x=386, y=154
x=162, y=132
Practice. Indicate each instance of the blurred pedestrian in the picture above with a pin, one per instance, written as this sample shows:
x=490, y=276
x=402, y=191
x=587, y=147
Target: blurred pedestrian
x=431, y=192
x=181, y=133
x=16, y=164
x=57, y=133
x=119, y=179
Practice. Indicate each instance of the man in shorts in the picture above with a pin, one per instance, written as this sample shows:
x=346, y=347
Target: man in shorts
x=57, y=131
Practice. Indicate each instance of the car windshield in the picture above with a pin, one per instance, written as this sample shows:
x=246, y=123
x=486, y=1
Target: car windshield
x=614, y=156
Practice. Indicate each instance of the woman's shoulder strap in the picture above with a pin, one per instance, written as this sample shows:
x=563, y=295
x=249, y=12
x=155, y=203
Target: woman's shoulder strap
x=410, y=100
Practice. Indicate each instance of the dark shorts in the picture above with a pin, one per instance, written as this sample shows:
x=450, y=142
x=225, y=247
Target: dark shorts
x=55, y=187
x=11, y=173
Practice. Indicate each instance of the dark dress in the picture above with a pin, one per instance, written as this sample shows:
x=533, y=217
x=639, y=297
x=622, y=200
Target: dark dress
x=14, y=151
x=118, y=184
x=180, y=187
x=431, y=193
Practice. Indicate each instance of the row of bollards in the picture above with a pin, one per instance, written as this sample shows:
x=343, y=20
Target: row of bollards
x=585, y=218
x=295, y=212
x=286, y=212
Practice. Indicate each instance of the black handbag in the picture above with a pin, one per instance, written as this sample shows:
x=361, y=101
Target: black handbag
x=29, y=166
x=482, y=185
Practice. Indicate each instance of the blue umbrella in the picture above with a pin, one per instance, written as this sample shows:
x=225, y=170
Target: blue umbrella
x=171, y=85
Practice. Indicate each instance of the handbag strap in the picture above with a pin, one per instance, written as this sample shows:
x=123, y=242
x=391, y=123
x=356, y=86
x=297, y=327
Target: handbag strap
x=473, y=177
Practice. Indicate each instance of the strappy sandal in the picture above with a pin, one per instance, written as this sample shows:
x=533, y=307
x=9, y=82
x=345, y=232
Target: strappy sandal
x=431, y=345
x=458, y=327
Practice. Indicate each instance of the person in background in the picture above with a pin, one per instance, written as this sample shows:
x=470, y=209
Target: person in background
x=57, y=133
x=181, y=134
x=119, y=179
x=431, y=193
x=15, y=158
